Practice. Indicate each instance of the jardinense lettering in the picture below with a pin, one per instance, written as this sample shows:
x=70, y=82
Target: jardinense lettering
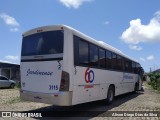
x=38, y=72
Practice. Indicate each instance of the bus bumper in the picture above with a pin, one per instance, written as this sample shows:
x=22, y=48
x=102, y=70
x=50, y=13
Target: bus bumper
x=60, y=99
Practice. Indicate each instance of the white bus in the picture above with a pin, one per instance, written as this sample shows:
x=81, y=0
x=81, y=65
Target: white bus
x=64, y=67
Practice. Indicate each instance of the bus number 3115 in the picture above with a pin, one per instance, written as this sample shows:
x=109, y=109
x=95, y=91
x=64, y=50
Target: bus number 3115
x=53, y=87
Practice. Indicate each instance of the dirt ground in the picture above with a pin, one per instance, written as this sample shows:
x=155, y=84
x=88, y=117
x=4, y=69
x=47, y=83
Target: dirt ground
x=147, y=100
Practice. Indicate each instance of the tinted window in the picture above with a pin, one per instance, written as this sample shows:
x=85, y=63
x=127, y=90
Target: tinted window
x=138, y=68
x=93, y=55
x=133, y=67
x=83, y=53
x=114, y=61
x=108, y=59
x=119, y=62
x=128, y=65
x=50, y=42
x=102, y=58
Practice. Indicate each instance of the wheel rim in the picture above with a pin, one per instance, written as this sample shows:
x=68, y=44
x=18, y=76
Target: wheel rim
x=110, y=95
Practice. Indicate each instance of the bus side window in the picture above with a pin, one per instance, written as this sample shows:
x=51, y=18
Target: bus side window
x=93, y=53
x=114, y=61
x=133, y=67
x=83, y=53
x=102, y=58
x=126, y=65
x=130, y=66
x=119, y=63
x=108, y=59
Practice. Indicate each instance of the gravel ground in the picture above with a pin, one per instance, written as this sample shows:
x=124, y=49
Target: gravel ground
x=147, y=100
x=10, y=101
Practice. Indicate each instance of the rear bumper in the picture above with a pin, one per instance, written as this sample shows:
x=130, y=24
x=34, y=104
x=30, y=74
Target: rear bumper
x=60, y=99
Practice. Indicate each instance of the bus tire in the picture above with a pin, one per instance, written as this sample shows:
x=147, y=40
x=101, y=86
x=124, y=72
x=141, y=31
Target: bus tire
x=110, y=95
x=135, y=88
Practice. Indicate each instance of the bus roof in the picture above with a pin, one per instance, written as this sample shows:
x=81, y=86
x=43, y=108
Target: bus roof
x=80, y=34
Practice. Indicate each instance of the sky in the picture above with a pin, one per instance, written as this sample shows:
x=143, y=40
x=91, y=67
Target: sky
x=130, y=26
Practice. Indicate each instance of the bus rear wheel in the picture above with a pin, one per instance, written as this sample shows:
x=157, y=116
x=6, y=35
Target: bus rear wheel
x=110, y=95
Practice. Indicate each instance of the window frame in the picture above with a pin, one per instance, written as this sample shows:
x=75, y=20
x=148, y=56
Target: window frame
x=109, y=64
x=83, y=64
x=40, y=41
x=101, y=66
x=114, y=67
x=90, y=62
x=108, y=54
x=119, y=67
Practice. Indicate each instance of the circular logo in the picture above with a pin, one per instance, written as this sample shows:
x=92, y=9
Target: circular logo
x=89, y=75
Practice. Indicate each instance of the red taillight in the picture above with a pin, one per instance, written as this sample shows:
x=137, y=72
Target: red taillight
x=64, y=86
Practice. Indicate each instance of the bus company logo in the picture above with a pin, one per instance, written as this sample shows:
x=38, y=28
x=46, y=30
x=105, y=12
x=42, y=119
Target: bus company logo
x=37, y=72
x=89, y=75
x=127, y=77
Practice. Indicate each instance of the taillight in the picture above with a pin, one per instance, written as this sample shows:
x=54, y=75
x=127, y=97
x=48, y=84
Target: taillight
x=64, y=86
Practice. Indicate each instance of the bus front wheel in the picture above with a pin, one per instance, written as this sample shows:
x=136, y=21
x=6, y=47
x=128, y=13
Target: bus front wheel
x=110, y=94
x=135, y=88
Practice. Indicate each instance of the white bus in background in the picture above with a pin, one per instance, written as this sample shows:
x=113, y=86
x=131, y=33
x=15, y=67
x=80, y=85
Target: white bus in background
x=62, y=66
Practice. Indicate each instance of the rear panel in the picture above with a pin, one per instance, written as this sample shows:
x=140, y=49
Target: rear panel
x=41, y=76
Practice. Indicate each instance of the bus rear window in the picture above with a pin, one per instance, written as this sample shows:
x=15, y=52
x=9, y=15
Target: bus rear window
x=50, y=42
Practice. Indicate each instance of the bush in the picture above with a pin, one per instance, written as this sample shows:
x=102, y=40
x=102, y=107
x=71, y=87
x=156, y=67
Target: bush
x=155, y=80
x=18, y=85
x=158, y=84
